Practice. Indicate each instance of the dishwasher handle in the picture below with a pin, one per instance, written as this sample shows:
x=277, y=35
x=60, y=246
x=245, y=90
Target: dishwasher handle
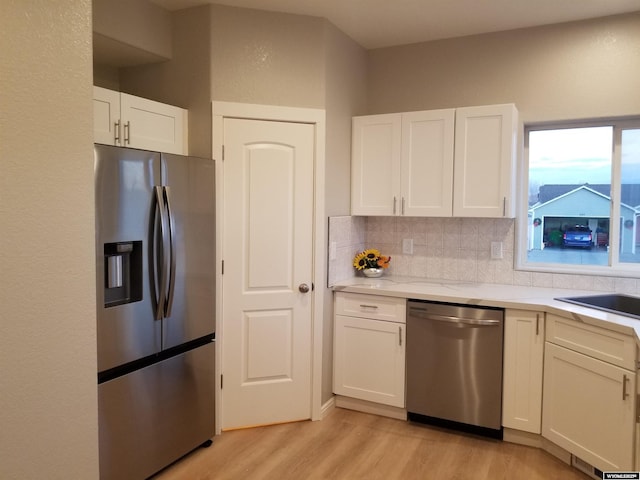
x=452, y=319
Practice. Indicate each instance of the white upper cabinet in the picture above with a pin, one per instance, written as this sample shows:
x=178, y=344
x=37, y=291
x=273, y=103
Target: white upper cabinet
x=375, y=170
x=403, y=164
x=406, y=164
x=485, y=153
x=106, y=116
x=426, y=170
x=130, y=121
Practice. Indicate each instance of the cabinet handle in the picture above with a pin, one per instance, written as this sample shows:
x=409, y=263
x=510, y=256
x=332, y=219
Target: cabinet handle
x=116, y=133
x=400, y=336
x=127, y=133
x=402, y=205
x=395, y=201
x=624, y=387
x=504, y=206
x=537, y=324
x=362, y=305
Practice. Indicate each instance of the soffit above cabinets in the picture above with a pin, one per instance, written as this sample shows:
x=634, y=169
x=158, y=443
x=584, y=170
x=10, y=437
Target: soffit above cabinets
x=113, y=53
x=128, y=33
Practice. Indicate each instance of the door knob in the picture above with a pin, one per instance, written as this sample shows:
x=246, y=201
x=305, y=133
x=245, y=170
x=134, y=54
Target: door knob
x=304, y=288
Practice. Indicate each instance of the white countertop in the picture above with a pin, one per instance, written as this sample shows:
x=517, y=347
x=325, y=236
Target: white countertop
x=494, y=295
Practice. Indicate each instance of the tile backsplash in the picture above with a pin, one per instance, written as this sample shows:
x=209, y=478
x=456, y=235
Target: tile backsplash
x=448, y=249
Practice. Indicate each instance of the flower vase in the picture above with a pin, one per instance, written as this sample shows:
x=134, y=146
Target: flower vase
x=373, y=272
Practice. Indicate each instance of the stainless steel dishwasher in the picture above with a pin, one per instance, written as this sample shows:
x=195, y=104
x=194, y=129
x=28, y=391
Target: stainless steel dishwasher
x=454, y=366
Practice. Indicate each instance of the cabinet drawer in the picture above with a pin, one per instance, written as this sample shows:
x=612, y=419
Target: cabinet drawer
x=606, y=345
x=375, y=307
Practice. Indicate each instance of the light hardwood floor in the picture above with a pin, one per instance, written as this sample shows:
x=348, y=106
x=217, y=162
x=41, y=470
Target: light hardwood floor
x=350, y=445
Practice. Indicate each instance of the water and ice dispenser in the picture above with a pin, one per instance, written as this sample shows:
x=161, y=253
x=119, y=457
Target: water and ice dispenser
x=122, y=273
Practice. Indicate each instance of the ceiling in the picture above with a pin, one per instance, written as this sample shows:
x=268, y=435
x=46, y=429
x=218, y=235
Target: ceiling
x=384, y=23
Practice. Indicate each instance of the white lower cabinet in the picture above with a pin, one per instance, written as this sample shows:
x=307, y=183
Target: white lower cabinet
x=589, y=405
x=369, y=353
x=522, y=370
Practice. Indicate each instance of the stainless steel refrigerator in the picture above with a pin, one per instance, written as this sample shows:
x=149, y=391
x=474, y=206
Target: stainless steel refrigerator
x=155, y=262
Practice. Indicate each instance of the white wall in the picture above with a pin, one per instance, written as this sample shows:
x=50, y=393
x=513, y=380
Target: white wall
x=48, y=393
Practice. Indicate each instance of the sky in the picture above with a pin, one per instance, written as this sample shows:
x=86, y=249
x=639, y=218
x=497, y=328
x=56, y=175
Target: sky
x=580, y=155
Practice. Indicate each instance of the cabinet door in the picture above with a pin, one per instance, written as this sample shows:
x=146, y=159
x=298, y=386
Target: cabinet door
x=427, y=163
x=369, y=357
x=522, y=370
x=484, y=167
x=588, y=408
x=106, y=116
x=375, y=165
x=152, y=125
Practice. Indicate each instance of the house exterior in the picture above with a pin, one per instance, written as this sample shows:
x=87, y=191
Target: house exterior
x=561, y=206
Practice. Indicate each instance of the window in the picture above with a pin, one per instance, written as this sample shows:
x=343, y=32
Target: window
x=582, y=206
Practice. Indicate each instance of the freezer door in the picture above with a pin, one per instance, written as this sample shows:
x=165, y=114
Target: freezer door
x=153, y=416
x=189, y=184
x=124, y=180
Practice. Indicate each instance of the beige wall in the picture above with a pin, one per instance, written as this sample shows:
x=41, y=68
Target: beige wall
x=345, y=78
x=267, y=58
x=48, y=393
x=140, y=25
x=346, y=81
x=575, y=70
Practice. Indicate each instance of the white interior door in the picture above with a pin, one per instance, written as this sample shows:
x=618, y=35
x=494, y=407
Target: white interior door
x=268, y=260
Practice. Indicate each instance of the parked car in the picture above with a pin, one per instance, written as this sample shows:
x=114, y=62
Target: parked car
x=578, y=236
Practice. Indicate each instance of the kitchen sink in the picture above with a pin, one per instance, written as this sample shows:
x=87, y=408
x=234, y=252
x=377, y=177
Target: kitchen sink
x=616, y=303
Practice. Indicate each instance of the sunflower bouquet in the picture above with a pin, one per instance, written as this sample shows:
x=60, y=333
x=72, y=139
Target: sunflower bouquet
x=370, y=258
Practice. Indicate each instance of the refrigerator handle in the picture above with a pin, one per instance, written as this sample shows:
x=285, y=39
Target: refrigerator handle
x=159, y=253
x=172, y=255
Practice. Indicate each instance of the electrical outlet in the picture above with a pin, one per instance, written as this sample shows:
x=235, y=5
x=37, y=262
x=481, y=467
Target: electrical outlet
x=407, y=246
x=496, y=250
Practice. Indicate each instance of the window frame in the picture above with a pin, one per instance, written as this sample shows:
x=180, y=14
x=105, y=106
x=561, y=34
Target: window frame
x=613, y=268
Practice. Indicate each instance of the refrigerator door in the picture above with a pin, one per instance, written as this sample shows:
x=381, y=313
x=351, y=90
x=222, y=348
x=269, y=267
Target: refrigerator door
x=124, y=181
x=190, y=299
x=155, y=415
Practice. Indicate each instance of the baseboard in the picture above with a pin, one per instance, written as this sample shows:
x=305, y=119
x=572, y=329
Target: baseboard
x=327, y=407
x=558, y=452
x=522, y=438
x=537, y=441
x=370, y=407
